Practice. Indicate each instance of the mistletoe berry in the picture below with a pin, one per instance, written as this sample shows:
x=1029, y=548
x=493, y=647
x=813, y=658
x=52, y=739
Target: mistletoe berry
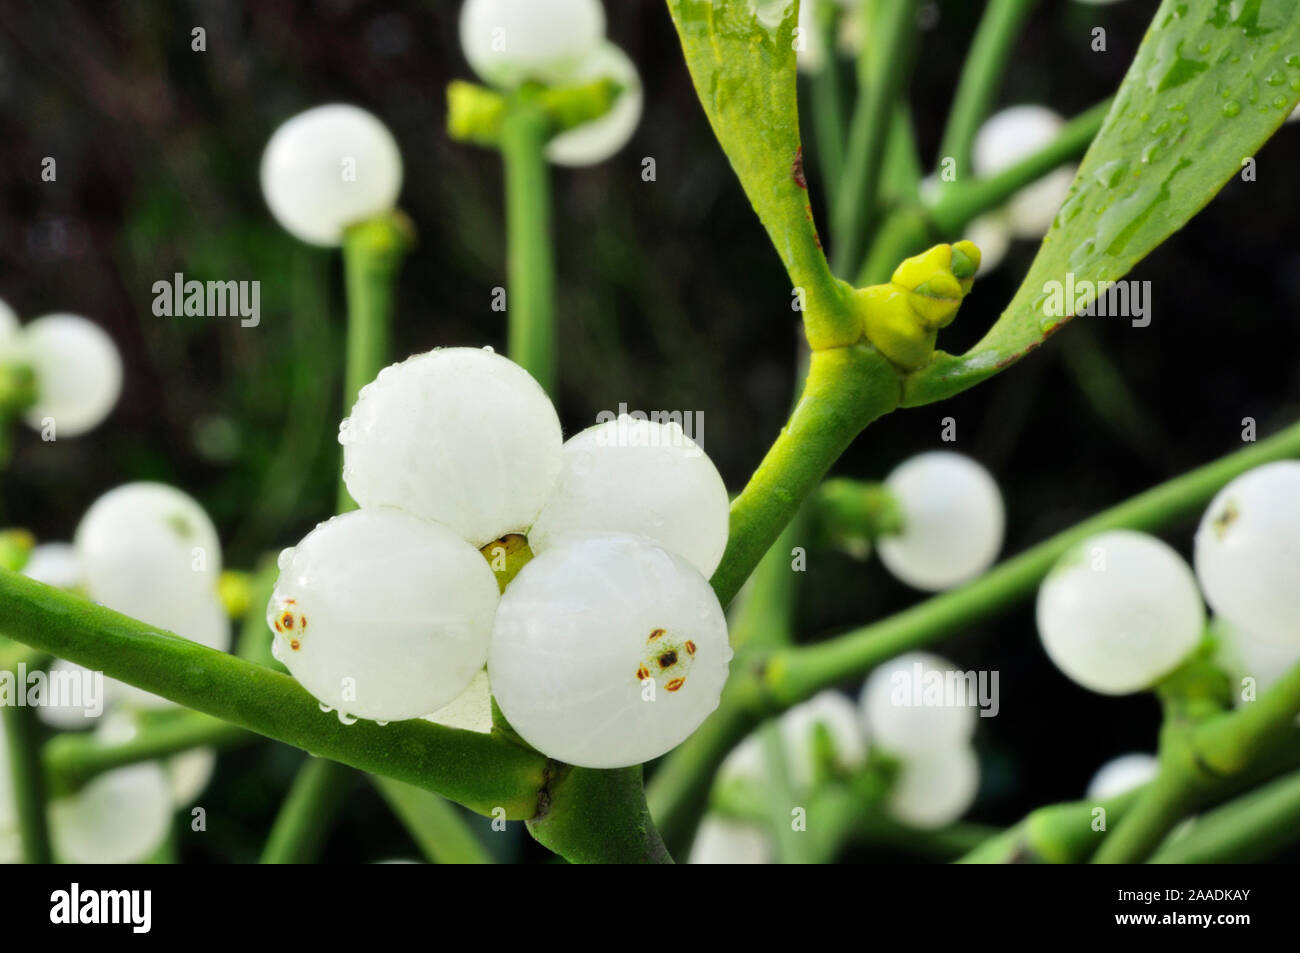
x=608, y=651
x=640, y=477
x=953, y=521
x=509, y=41
x=78, y=373
x=383, y=615
x=597, y=140
x=1248, y=552
x=906, y=707
x=461, y=436
x=328, y=168
x=1119, y=612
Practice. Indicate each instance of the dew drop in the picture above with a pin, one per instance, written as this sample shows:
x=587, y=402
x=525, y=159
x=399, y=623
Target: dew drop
x=489, y=348
x=1231, y=108
x=282, y=561
x=345, y=718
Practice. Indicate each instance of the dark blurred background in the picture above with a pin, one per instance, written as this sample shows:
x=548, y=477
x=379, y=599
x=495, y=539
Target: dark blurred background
x=670, y=297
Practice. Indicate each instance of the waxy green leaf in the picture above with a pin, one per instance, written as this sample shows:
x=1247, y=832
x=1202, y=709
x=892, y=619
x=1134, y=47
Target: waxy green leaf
x=1210, y=83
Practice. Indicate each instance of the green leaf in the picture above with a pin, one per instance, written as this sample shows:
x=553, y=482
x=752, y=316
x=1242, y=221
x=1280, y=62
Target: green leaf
x=1210, y=83
x=742, y=59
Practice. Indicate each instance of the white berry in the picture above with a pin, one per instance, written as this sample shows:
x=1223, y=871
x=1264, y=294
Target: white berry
x=916, y=703
x=953, y=521
x=461, y=436
x=120, y=817
x=1248, y=552
x=839, y=716
x=1119, y=611
x=1243, y=656
x=638, y=477
x=596, y=141
x=78, y=373
x=55, y=564
x=150, y=551
x=1121, y=775
x=383, y=615
x=328, y=168
x=935, y=788
x=509, y=41
x=722, y=841
x=608, y=652
x=1010, y=136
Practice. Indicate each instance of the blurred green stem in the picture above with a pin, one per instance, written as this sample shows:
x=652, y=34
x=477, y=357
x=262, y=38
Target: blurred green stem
x=830, y=115
x=372, y=255
x=28, y=782
x=434, y=824
x=990, y=52
x=530, y=258
x=1251, y=829
x=882, y=79
x=307, y=814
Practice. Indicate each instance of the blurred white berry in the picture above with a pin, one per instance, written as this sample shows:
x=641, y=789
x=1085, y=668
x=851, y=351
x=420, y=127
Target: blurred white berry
x=1243, y=656
x=642, y=478
x=906, y=707
x=1121, y=775
x=328, y=168
x=119, y=817
x=722, y=841
x=509, y=41
x=96, y=694
x=471, y=710
x=837, y=713
x=461, y=436
x=1010, y=136
x=1248, y=552
x=953, y=521
x=148, y=550
x=991, y=233
x=383, y=615
x=55, y=564
x=78, y=373
x=608, y=651
x=936, y=787
x=8, y=329
x=596, y=141
x=1119, y=611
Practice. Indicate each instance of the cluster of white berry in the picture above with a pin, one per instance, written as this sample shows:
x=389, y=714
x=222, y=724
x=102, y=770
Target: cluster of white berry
x=76, y=370
x=1122, y=609
x=606, y=650
x=929, y=739
x=149, y=551
x=555, y=42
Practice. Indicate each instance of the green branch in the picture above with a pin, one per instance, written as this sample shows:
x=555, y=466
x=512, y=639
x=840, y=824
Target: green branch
x=598, y=817
x=477, y=770
x=1251, y=829
x=318, y=793
x=530, y=259
x=20, y=727
x=882, y=79
x=990, y=52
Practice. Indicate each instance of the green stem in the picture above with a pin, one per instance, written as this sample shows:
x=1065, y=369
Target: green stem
x=530, y=258
x=847, y=388
x=300, y=829
x=477, y=770
x=598, y=817
x=794, y=674
x=372, y=254
x=72, y=760
x=28, y=781
x=436, y=826
x=882, y=78
x=828, y=107
x=1251, y=829
x=961, y=202
x=977, y=89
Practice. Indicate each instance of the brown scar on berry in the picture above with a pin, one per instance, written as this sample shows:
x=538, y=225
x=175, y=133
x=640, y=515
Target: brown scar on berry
x=295, y=644
x=690, y=647
x=657, y=633
x=675, y=684
x=642, y=674
x=1226, y=518
x=668, y=659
